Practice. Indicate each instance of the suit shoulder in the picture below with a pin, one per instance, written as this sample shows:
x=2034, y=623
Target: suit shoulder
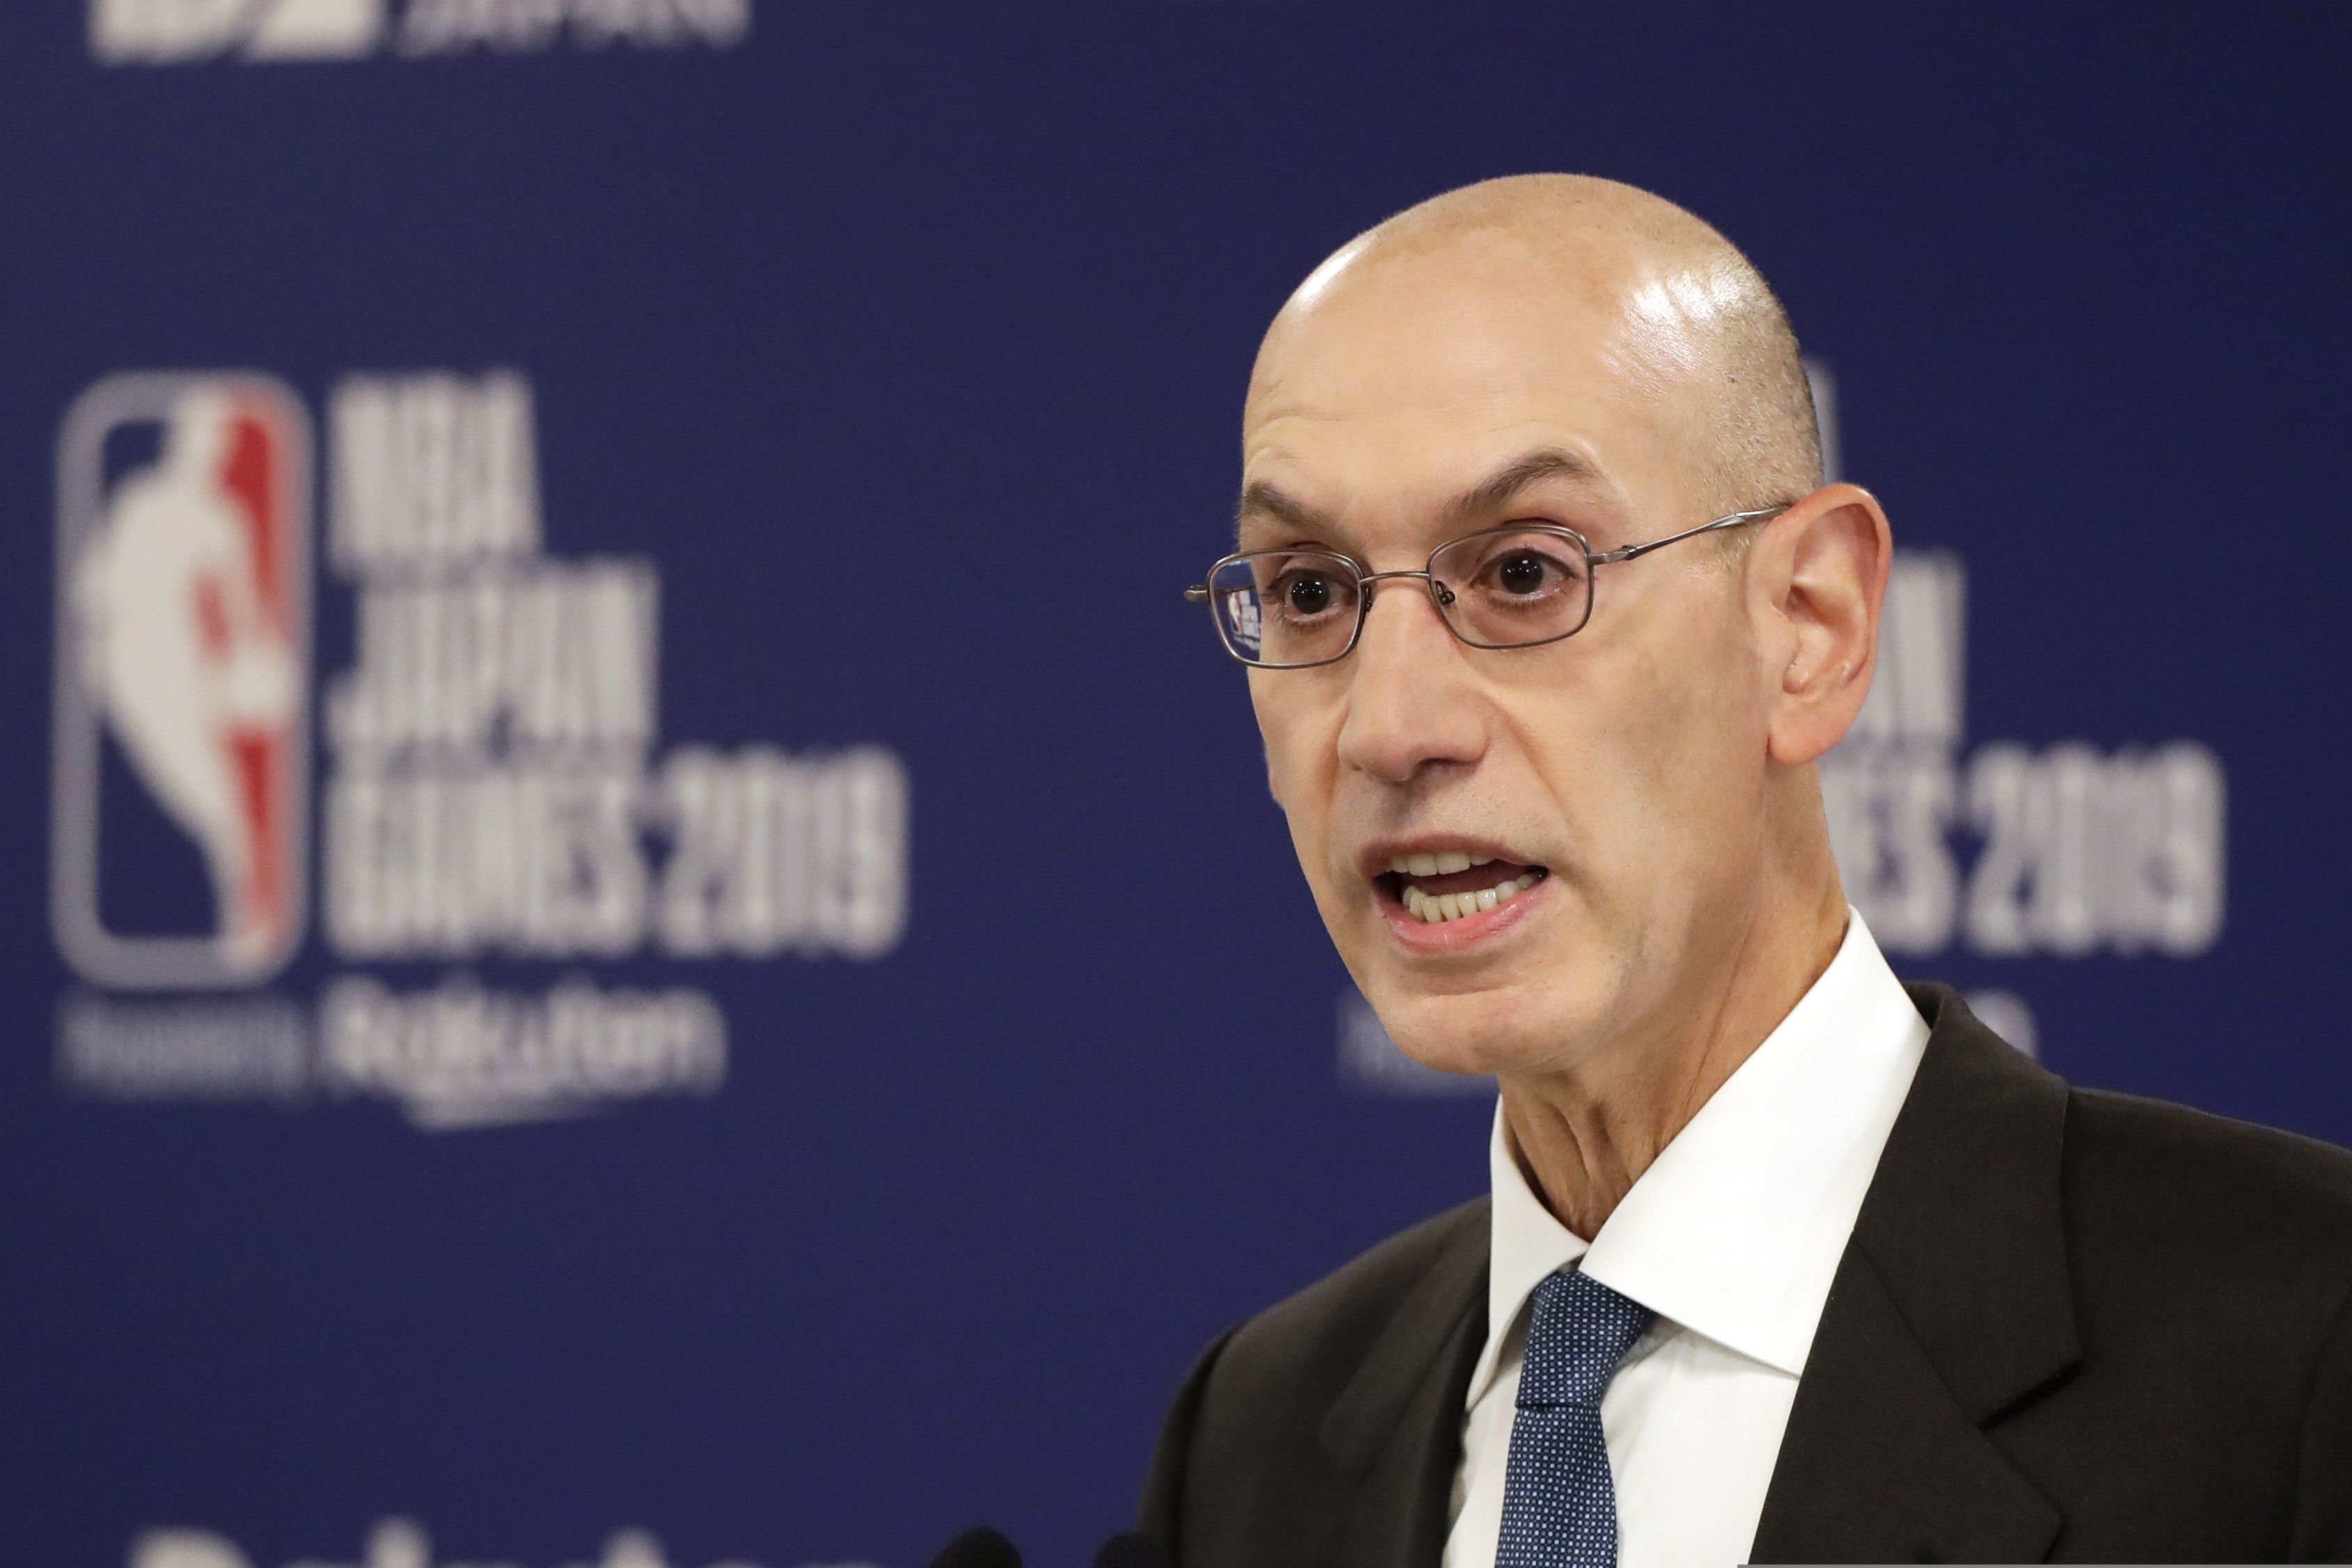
x=2232, y=1160
x=2197, y=1182
x=1334, y=1321
x=1245, y=1470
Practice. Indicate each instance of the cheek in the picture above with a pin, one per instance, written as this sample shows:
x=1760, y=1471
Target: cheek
x=1650, y=750
x=1299, y=753
x=1702, y=749
x=1274, y=734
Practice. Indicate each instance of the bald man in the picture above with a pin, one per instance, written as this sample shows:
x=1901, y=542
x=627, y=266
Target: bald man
x=1548, y=619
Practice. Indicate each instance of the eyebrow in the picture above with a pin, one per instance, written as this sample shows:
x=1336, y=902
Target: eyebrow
x=1490, y=495
x=1506, y=485
x=1260, y=500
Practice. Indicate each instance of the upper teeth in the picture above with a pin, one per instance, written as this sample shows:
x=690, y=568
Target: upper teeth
x=1442, y=863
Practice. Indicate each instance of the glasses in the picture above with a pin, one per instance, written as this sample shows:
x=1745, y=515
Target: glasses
x=1518, y=586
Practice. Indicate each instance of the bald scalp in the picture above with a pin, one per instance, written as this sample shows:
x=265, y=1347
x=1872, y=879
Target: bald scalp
x=1754, y=436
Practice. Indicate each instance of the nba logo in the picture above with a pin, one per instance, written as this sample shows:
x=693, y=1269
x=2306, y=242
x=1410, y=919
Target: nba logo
x=180, y=819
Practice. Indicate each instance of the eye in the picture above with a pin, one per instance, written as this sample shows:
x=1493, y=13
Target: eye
x=1307, y=592
x=1521, y=571
x=1525, y=572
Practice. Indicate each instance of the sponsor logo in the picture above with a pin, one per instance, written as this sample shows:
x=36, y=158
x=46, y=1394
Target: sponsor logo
x=183, y=598
x=2009, y=850
x=395, y=1542
x=180, y=32
x=492, y=791
x=2003, y=851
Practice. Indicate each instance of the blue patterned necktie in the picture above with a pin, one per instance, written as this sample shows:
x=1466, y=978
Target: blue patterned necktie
x=1559, y=1503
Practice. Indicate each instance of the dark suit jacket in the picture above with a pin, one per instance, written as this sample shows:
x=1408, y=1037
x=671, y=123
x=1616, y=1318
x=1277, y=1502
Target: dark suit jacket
x=2070, y=1326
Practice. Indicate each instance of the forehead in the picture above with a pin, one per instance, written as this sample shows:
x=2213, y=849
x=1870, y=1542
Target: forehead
x=1391, y=395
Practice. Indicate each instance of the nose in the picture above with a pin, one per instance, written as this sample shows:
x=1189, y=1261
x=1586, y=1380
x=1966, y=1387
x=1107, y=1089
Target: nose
x=1407, y=707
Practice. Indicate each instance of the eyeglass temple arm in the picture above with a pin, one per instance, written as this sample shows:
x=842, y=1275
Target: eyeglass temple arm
x=1198, y=593
x=1630, y=552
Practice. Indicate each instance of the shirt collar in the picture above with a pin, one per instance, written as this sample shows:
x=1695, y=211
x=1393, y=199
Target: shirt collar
x=1736, y=1229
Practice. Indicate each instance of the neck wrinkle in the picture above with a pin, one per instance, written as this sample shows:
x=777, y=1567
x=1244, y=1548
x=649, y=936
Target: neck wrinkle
x=1582, y=1144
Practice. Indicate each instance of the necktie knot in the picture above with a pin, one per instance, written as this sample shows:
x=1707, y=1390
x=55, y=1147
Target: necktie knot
x=1580, y=1331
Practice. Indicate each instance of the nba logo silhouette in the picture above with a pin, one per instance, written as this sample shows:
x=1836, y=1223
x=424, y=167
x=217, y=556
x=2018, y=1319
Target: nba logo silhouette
x=181, y=813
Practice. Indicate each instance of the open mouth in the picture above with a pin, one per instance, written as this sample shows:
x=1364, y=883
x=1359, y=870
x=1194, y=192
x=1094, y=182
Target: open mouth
x=1454, y=884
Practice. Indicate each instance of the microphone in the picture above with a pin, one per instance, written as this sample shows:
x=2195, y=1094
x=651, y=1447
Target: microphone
x=978, y=1548
x=1132, y=1550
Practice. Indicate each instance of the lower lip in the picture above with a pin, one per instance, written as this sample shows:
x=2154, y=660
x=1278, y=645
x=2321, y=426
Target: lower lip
x=1419, y=936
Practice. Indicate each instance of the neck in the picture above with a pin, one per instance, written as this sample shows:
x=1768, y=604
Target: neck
x=1584, y=1135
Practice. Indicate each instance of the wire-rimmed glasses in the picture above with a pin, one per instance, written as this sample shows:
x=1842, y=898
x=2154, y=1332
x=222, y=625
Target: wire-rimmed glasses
x=1518, y=585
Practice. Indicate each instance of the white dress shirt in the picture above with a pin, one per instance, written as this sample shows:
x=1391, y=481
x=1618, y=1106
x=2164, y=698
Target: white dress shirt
x=1731, y=1237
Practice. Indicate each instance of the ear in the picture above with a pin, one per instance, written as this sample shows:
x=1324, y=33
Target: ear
x=1817, y=577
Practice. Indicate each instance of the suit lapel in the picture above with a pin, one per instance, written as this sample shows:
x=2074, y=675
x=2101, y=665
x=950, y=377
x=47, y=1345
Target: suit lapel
x=1951, y=1308
x=1394, y=1434
x=1881, y=1464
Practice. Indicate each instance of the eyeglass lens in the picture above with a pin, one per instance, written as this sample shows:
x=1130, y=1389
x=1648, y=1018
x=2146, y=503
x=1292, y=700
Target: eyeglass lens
x=1501, y=590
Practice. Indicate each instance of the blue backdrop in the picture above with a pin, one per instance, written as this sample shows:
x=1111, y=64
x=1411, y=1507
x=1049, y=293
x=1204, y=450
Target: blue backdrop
x=642, y=929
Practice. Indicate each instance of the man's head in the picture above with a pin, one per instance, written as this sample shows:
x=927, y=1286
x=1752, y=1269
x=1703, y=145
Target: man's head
x=1583, y=354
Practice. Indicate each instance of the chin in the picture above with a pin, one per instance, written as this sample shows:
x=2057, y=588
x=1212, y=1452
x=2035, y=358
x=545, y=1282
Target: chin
x=1476, y=1035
